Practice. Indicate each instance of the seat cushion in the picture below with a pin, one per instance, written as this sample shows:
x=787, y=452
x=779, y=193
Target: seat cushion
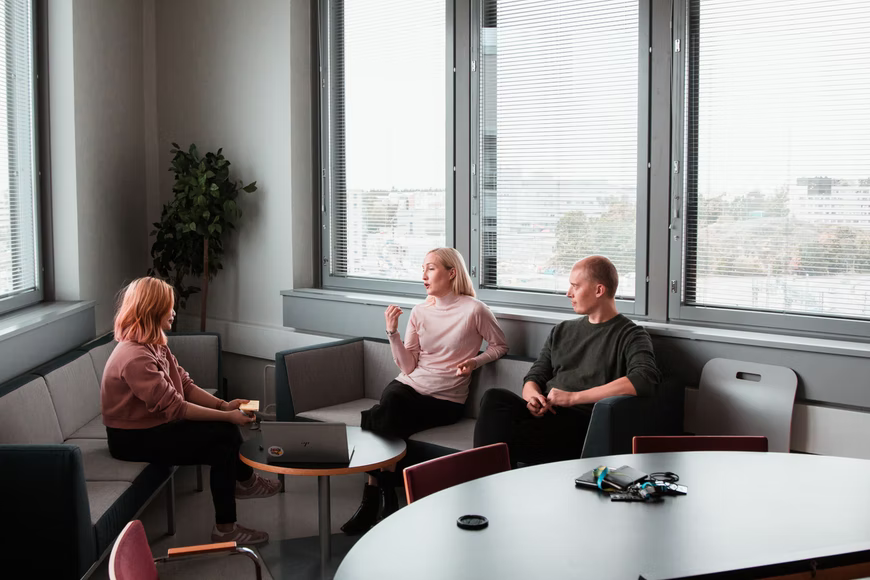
x=459, y=436
x=94, y=429
x=101, y=466
x=347, y=413
x=102, y=494
x=27, y=413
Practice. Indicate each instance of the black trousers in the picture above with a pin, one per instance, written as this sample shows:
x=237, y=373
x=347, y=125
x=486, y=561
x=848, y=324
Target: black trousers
x=212, y=443
x=403, y=412
x=554, y=437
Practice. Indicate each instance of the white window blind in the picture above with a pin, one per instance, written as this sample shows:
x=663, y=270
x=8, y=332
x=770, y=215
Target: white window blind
x=387, y=129
x=558, y=140
x=778, y=156
x=18, y=249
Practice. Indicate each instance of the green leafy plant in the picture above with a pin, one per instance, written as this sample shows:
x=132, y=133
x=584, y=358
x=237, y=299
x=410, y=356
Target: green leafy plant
x=189, y=238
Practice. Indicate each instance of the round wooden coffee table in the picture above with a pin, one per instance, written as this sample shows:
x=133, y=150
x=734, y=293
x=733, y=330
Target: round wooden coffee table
x=370, y=452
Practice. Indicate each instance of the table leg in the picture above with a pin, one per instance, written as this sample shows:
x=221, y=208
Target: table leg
x=323, y=519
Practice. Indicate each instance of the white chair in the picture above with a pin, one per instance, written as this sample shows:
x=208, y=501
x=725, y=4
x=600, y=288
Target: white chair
x=746, y=398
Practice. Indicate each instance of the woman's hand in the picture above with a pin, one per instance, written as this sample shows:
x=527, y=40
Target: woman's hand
x=233, y=405
x=392, y=315
x=464, y=368
x=237, y=417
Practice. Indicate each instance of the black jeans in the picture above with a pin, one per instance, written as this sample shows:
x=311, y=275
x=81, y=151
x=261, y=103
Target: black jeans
x=403, y=411
x=212, y=443
x=554, y=437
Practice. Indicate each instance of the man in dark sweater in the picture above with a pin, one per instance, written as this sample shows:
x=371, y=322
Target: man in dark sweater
x=601, y=355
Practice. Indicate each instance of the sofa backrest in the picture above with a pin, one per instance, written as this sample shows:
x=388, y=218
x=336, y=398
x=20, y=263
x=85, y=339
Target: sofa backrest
x=200, y=355
x=100, y=356
x=505, y=373
x=318, y=377
x=28, y=416
x=74, y=389
x=380, y=368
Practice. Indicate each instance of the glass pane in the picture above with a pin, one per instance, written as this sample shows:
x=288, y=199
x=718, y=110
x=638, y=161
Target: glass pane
x=558, y=140
x=778, y=181
x=388, y=138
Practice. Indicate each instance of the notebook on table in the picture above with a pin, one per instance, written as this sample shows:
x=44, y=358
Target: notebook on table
x=305, y=442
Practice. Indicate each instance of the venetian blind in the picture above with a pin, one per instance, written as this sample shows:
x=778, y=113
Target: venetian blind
x=778, y=156
x=558, y=140
x=18, y=246
x=387, y=130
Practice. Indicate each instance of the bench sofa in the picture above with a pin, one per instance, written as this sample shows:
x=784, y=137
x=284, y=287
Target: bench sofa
x=65, y=499
x=338, y=380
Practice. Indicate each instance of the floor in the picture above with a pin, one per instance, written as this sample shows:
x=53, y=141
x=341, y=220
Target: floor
x=292, y=514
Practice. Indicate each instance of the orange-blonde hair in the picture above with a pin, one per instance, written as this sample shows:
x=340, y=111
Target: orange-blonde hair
x=145, y=303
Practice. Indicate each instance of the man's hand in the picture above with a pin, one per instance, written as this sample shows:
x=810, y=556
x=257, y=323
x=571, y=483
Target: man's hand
x=538, y=405
x=560, y=398
x=464, y=369
x=233, y=405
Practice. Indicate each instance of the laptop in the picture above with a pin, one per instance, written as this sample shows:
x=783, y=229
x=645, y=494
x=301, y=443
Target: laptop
x=305, y=442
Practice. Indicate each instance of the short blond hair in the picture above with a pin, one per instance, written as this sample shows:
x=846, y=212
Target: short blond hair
x=145, y=304
x=451, y=259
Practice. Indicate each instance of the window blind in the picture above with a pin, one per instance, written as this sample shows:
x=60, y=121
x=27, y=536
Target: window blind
x=558, y=137
x=387, y=124
x=19, y=274
x=778, y=156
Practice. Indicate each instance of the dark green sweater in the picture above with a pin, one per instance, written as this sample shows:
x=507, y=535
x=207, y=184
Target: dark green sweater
x=579, y=355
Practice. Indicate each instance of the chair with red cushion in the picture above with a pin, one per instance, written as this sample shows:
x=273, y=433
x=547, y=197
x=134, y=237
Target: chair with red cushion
x=664, y=444
x=436, y=474
x=131, y=556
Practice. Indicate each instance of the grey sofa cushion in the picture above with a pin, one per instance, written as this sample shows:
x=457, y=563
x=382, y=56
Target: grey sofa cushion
x=380, y=368
x=27, y=413
x=459, y=436
x=326, y=376
x=505, y=373
x=94, y=429
x=102, y=494
x=101, y=466
x=198, y=355
x=347, y=413
x=99, y=356
x=75, y=393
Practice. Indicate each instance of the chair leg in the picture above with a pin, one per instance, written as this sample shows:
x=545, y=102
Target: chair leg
x=281, y=480
x=199, y=478
x=170, y=506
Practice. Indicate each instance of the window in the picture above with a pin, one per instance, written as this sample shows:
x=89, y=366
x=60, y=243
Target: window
x=386, y=186
x=562, y=152
x=777, y=160
x=20, y=280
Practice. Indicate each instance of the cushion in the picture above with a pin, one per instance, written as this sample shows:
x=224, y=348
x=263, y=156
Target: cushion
x=94, y=429
x=459, y=436
x=379, y=367
x=324, y=377
x=505, y=373
x=99, y=356
x=199, y=355
x=347, y=413
x=102, y=494
x=75, y=391
x=101, y=466
x=27, y=413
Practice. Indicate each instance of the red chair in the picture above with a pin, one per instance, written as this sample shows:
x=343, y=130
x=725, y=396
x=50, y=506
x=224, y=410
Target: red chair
x=664, y=444
x=131, y=556
x=436, y=474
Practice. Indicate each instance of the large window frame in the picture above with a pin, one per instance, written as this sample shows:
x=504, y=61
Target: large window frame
x=35, y=295
x=661, y=216
x=684, y=198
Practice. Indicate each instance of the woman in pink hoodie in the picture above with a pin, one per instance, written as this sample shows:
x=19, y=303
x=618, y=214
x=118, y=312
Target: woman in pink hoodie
x=440, y=350
x=154, y=412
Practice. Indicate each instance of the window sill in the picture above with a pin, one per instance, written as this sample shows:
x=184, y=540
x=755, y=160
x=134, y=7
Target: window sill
x=665, y=329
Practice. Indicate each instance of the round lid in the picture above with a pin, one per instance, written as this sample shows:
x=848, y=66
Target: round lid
x=472, y=522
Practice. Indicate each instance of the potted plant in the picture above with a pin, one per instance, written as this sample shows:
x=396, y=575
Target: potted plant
x=189, y=238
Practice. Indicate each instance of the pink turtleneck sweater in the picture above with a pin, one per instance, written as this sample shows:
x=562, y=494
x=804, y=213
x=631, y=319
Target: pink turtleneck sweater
x=441, y=335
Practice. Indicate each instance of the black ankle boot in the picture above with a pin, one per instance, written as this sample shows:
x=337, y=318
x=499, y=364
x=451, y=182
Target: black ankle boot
x=389, y=501
x=366, y=514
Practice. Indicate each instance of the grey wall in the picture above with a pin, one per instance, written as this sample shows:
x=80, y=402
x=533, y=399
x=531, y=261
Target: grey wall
x=237, y=75
x=96, y=108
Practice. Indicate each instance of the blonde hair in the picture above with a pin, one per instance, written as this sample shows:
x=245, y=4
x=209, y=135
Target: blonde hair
x=145, y=303
x=451, y=259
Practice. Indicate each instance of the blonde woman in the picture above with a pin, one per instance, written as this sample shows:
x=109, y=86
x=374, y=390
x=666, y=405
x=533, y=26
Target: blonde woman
x=154, y=412
x=440, y=350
